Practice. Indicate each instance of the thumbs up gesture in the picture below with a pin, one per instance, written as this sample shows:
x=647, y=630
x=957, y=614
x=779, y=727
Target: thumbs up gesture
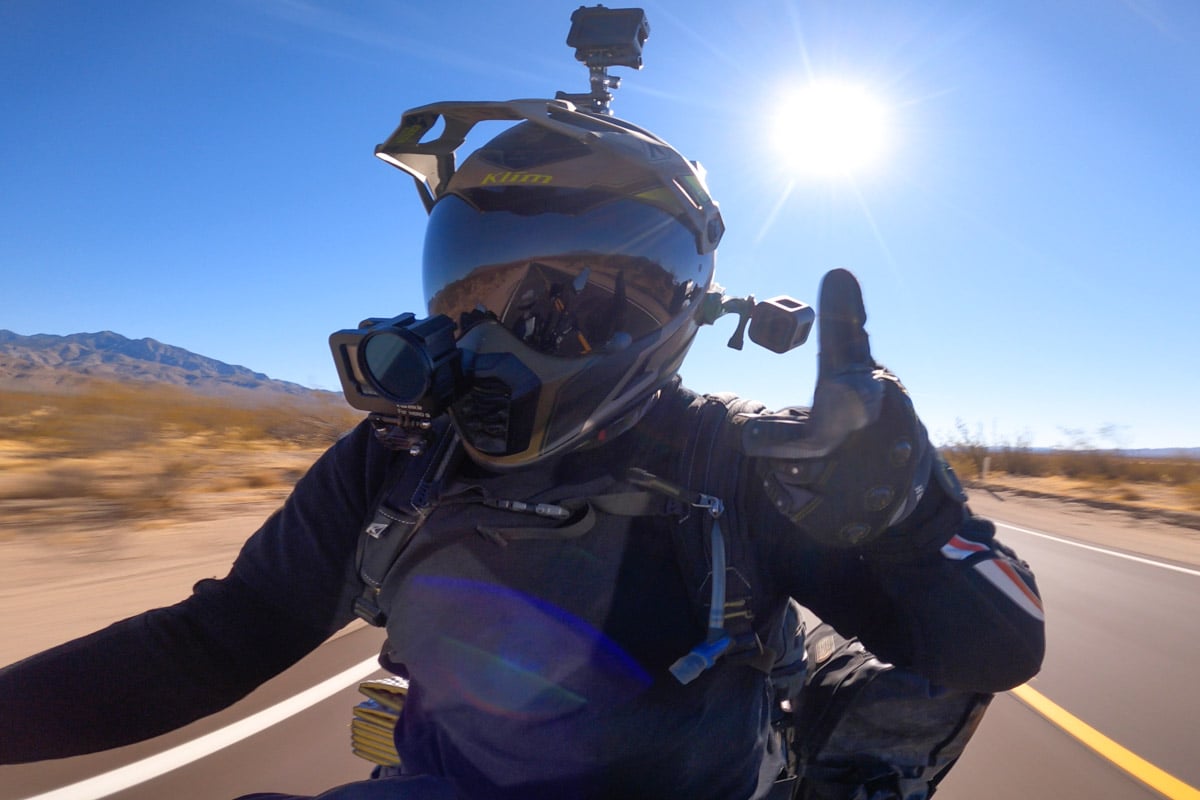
x=858, y=461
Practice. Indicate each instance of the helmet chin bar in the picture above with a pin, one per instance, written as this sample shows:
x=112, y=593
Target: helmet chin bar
x=523, y=406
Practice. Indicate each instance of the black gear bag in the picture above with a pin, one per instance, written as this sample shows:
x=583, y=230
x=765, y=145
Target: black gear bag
x=865, y=730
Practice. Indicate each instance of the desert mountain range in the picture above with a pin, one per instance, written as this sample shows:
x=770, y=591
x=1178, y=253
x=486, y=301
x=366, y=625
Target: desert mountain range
x=50, y=363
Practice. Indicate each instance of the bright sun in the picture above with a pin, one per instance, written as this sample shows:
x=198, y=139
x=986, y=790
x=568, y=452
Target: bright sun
x=830, y=129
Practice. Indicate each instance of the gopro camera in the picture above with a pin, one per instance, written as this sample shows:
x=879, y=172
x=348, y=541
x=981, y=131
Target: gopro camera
x=603, y=38
x=781, y=323
x=399, y=367
x=608, y=37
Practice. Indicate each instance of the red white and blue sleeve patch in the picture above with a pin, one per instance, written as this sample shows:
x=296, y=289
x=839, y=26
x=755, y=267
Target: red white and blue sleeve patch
x=1004, y=573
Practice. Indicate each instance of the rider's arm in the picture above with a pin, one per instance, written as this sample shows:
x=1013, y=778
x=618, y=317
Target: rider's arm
x=936, y=594
x=290, y=588
x=872, y=532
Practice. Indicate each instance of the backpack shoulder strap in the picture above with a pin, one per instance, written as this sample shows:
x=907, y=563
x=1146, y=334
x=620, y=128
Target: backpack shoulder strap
x=713, y=548
x=410, y=492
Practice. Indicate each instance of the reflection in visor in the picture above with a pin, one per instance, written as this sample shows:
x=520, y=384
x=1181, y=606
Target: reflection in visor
x=565, y=284
x=564, y=308
x=557, y=315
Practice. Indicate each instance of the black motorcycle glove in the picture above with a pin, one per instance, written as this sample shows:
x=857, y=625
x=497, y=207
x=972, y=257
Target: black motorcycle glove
x=858, y=462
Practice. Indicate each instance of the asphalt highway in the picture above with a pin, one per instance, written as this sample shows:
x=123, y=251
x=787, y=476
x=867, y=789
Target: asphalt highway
x=1113, y=714
x=1122, y=640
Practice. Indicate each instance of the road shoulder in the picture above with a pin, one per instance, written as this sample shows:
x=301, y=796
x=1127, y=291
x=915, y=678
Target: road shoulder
x=1140, y=532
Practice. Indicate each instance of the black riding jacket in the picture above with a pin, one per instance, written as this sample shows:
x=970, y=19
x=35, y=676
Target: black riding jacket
x=538, y=664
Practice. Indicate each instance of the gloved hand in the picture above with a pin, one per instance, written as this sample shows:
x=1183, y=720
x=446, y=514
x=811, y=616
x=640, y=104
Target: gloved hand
x=858, y=462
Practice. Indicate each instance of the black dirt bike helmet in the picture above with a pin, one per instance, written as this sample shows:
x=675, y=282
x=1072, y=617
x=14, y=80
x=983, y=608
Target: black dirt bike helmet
x=573, y=252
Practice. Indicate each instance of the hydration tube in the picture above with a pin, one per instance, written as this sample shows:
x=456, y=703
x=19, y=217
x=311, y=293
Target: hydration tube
x=705, y=654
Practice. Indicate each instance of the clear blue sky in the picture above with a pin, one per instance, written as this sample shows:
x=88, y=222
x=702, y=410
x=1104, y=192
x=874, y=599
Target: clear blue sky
x=1028, y=243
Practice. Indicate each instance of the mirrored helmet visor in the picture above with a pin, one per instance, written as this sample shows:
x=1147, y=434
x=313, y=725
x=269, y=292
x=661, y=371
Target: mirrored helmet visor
x=566, y=281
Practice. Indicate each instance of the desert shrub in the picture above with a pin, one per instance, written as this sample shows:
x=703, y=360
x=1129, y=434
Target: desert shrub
x=1018, y=459
x=1180, y=472
x=110, y=415
x=1117, y=474
x=1191, y=493
x=52, y=484
x=1128, y=493
x=965, y=452
x=151, y=495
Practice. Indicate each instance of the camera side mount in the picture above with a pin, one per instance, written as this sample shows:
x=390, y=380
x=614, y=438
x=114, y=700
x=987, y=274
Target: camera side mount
x=779, y=324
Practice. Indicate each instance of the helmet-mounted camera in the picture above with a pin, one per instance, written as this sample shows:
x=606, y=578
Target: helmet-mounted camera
x=603, y=38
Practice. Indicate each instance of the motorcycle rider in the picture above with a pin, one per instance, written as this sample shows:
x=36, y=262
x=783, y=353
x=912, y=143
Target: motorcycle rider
x=548, y=651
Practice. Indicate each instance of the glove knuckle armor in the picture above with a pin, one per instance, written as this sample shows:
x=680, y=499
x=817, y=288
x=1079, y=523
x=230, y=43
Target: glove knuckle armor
x=852, y=494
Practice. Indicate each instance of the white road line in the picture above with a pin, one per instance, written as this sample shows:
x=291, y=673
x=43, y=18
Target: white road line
x=1105, y=550
x=123, y=778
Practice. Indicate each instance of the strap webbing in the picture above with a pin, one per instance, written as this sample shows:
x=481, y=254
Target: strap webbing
x=408, y=500
x=717, y=568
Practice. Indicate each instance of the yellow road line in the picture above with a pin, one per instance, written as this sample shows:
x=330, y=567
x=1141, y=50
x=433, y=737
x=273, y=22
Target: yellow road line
x=1157, y=779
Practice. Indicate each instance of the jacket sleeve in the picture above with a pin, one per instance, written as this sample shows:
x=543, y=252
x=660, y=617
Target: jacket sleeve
x=290, y=588
x=937, y=594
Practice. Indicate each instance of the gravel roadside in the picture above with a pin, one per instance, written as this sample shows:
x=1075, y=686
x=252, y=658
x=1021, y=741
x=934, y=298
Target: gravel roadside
x=1148, y=533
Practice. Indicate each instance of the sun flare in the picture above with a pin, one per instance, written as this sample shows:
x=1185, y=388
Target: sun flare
x=830, y=129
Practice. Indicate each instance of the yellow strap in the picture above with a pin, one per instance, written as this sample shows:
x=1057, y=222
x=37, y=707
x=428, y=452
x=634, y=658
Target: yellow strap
x=381, y=716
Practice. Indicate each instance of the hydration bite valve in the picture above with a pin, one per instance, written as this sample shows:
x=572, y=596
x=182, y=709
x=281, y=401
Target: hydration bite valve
x=702, y=657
